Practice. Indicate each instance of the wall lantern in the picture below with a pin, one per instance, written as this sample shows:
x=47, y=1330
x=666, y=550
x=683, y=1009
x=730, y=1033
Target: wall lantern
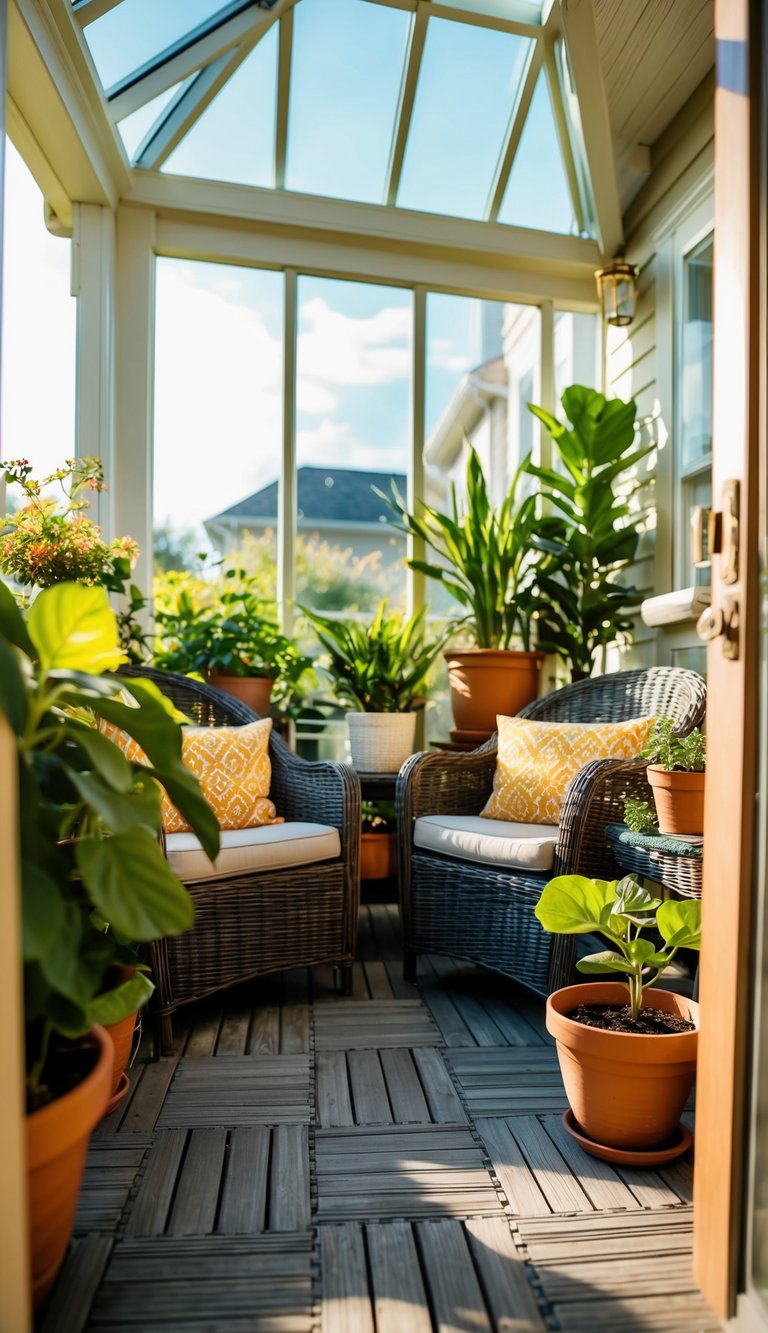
x=617, y=287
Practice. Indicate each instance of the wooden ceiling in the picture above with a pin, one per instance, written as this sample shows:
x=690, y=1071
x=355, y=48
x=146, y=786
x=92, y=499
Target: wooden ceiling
x=653, y=55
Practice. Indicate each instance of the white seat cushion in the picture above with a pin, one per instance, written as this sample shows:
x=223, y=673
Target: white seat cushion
x=268, y=848
x=493, y=841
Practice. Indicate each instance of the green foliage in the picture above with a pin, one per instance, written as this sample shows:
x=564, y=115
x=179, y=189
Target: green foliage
x=378, y=816
x=228, y=630
x=590, y=537
x=487, y=560
x=684, y=753
x=48, y=541
x=639, y=816
x=94, y=878
x=378, y=668
x=620, y=911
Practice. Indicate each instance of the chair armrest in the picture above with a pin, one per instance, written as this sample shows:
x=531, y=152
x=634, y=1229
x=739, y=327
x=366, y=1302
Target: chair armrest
x=595, y=798
x=322, y=791
x=444, y=784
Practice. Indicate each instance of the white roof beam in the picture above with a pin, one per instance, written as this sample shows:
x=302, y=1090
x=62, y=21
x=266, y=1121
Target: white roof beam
x=514, y=134
x=185, y=108
x=578, y=27
x=564, y=137
x=241, y=20
x=411, y=69
x=86, y=11
x=284, y=63
x=478, y=17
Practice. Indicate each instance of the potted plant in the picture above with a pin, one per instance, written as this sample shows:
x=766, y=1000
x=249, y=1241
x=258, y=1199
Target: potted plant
x=627, y=1054
x=487, y=561
x=592, y=528
x=48, y=541
x=225, y=636
x=92, y=873
x=378, y=842
x=677, y=777
x=380, y=669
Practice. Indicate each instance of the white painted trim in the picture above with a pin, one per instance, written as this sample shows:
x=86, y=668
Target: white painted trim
x=185, y=108
x=411, y=68
x=514, y=134
x=284, y=65
x=415, y=547
x=93, y=274
x=287, y=491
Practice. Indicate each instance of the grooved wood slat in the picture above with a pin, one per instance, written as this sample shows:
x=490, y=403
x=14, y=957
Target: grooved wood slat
x=244, y=1194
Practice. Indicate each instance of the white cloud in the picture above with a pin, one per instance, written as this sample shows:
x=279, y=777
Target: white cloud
x=443, y=355
x=345, y=350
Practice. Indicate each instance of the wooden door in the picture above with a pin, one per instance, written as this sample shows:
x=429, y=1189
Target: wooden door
x=732, y=657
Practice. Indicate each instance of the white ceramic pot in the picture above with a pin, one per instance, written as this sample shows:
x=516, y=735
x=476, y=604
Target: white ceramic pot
x=381, y=742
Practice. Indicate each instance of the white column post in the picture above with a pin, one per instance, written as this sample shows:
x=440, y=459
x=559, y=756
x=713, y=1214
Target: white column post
x=134, y=383
x=547, y=387
x=416, y=582
x=93, y=283
x=287, y=503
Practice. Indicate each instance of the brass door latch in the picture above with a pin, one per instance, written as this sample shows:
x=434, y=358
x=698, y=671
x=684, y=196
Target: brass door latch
x=721, y=621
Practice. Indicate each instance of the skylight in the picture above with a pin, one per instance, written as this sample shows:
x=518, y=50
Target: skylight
x=445, y=108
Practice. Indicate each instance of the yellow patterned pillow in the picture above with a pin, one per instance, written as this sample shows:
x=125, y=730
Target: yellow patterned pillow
x=232, y=765
x=537, y=760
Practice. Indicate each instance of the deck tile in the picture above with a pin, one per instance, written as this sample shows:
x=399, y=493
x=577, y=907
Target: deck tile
x=238, y=1090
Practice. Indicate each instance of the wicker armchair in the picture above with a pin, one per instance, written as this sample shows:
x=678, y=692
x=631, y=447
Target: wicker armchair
x=250, y=923
x=484, y=913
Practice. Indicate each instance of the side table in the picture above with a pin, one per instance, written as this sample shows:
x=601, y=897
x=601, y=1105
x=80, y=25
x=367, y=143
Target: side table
x=676, y=865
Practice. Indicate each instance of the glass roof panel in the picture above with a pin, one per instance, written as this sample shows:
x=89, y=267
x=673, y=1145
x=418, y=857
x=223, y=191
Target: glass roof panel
x=133, y=128
x=136, y=30
x=234, y=139
x=538, y=195
x=345, y=89
x=467, y=88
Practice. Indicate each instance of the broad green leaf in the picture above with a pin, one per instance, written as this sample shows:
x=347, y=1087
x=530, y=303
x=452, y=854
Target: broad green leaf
x=121, y=812
x=132, y=885
x=607, y=961
x=114, y=1005
x=573, y=904
x=42, y=911
x=13, y=691
x=105, y=756
x=12, y=625
x=186, y=794
x=74, y=964
x=680, y=924
x=73, y=626
x=67, y=1017
x=640, y=951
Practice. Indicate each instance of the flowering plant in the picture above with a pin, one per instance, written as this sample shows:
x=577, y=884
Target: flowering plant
x=44, y=543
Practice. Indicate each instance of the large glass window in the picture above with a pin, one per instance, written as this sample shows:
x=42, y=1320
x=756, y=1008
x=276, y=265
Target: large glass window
x=693, y=455
x=39, y=329
x=218, y=414
x=353, y=434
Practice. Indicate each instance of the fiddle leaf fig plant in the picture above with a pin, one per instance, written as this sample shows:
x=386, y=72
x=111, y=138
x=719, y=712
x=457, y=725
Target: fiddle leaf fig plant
x=93, y=875
x=620, y=910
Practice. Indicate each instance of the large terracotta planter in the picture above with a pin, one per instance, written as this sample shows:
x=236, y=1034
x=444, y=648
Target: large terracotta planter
x=488, y=681
x=378, y=855
x=679, y=799
x=121, y=1036
x=255, y=691
x=626, y=1090
x=57, y=1139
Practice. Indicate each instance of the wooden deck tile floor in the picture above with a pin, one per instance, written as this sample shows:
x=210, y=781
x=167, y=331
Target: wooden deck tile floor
x=390, y=1163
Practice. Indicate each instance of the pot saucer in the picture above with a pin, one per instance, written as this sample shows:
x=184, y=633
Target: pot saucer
x=680, y=1143
x=120, y=1092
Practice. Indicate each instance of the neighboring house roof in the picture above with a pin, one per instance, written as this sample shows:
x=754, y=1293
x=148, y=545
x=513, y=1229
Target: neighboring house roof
x=325, y=495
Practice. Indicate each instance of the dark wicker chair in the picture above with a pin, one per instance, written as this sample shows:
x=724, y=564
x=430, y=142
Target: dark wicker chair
x=250, y=924
x=485, y=914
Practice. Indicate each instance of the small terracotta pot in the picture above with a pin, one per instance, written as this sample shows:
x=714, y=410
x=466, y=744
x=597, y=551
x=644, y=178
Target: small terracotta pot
x=378, y=855
x=255, y=691
x=121, y=1035
x=626, y=1090
x=488, y=681
x=679, y=799
x=57, y=1139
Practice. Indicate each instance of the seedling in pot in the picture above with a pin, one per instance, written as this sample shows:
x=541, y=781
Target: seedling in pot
x=620, y=911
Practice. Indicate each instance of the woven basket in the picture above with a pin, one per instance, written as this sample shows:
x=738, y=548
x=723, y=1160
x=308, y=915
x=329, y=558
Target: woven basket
x=381, y=742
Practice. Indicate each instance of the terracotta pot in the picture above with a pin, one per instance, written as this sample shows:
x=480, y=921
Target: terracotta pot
x=488, y=681
x=57, y=1139
x=679, y=799
x=121, y=1036
x=378, y=855
x=626, y=1090
x=254, y=691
